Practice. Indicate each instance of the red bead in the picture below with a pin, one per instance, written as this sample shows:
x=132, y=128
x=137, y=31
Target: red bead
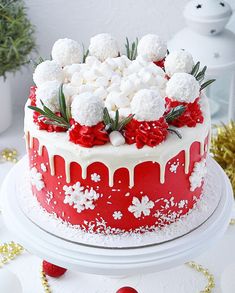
x=52, y=270
x=126, y=290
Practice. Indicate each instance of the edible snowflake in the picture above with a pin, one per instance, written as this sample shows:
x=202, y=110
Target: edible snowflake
x=198, y=174
x=173, y=167
x=95, y=177
x=79, y=197
x=117, y=215
x=141, y=207
x=36, y=179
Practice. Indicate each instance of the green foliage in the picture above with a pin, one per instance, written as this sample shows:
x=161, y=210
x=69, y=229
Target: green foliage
x=16, y=36
x=175, y=113
x=131, y=49
x=52, y=118
x=116, y=123
x=200, y=75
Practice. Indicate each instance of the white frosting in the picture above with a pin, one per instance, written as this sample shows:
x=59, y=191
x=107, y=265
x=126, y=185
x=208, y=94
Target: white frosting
x=178, y=61
x=66, y=52
x=48, y=93
x=152, y=47
x=87, y=109
x=148, y=105
x=126, y=156
x=183, y=87
x=103, y=46
x=48, y=71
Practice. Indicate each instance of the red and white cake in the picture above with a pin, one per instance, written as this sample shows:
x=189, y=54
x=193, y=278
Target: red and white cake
x=117, y=146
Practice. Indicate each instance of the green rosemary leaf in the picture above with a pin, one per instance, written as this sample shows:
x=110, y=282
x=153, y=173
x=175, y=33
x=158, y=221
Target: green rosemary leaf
x=175, y=113
x=68, y=113
x=36, y=109
x=85, y=53
x=127, y=48
x=125, y=121
x=116, y=120
x=62, y=103
x=175, y=132
x=106, y=117
x=135, y=51
x=55, y=123
x=132, y=50
x=205, y=84
x=195, y=69
x=201, y=75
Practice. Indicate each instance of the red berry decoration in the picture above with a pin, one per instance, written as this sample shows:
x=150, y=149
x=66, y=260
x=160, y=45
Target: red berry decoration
x=160, y=63
x=150, y=133
x=88, y=136
x=52, y=270
x=127, y=290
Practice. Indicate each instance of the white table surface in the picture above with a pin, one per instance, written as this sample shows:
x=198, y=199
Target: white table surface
x=178, y=280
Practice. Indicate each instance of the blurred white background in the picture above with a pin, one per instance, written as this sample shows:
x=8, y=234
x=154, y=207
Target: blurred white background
x=80, y=20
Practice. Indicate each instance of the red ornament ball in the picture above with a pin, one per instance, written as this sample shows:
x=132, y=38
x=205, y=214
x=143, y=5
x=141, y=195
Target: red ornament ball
x=52, y=270
x=126, y=290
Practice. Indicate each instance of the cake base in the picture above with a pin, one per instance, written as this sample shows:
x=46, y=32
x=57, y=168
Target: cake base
x=111, y=261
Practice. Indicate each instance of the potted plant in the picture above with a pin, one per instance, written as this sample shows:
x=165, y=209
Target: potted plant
x=16, y=43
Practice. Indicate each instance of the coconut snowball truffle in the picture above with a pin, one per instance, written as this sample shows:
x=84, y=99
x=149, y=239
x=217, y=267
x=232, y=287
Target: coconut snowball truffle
x=178, y=61
x=48, y=93
x=48, y=70
x=103, y=46
x=183, y=87
x=152, y=47
x=87, y=109
x=147, y=105
x=67, y=52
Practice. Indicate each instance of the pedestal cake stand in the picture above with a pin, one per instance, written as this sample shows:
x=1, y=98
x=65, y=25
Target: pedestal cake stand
x=69, y=253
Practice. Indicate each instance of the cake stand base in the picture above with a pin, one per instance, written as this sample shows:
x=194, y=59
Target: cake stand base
x=111, y=261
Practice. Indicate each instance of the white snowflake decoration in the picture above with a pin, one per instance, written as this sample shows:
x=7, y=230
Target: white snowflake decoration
x=140, y=207
x=117, y=215
x=198, y=174
x=79, y=197
x=43, y=167
x=36, y=179
x=173, y=167
x=95, y=177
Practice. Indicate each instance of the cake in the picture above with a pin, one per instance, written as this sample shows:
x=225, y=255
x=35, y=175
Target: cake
x=117, y=144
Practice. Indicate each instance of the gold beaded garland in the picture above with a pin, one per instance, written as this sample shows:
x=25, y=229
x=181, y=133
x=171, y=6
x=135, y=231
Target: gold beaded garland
x=210, y=278
x=9, y=155
x=9, y=251
x=44, y=282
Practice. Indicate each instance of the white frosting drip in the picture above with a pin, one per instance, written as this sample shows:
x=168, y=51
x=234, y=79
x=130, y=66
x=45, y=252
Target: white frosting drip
x=125, y=156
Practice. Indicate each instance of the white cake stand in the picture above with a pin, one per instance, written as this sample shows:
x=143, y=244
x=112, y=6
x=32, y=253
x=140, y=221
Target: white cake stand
x=111, y=261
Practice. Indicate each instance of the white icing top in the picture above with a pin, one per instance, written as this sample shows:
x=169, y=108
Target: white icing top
x=127, y=156
x=148, y=105
x=103, y=46
x=183, y=87
x=152, y=47
x=47, y=71
x=66, y=52
x=178, y=61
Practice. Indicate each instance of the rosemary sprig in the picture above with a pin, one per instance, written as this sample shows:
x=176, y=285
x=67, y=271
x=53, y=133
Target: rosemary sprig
x=175, y=113
x=175, y=132
x=200, y=75
x=131, y=49
x=52, y=118
x=115, y=124
x=85, y=53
